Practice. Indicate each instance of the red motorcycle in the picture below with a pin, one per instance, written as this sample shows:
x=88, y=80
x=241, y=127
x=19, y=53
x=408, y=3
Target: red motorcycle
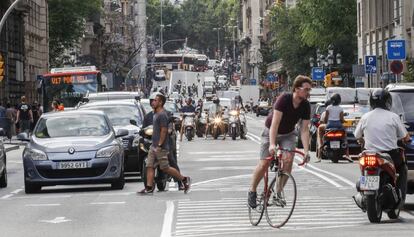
x=334, y=144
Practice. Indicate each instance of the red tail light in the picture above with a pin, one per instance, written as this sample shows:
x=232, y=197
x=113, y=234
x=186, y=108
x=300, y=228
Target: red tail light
x=369, y=160
x=335, y=134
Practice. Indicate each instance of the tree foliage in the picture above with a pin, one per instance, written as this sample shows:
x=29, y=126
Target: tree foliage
x=66, y=24
x=311, y=25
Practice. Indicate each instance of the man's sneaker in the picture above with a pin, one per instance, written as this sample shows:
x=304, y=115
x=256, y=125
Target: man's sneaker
x=279, y=200
x=146, y=191
x=251, y=199
x=187, y=184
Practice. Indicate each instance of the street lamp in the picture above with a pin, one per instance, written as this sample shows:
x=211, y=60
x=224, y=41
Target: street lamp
x=326, y=61
x=218, y=39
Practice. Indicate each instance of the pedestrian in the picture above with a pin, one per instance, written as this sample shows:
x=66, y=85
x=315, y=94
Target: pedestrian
x=11, y=115
x=280, y=129
x=55, y=106
x=24, y=115
x=36, y=114
x=158, y=153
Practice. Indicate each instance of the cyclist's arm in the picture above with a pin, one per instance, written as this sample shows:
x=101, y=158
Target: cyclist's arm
x=305, y=135
x=274, y=127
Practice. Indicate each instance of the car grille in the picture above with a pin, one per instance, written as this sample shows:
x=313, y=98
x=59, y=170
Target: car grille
x=72, y=173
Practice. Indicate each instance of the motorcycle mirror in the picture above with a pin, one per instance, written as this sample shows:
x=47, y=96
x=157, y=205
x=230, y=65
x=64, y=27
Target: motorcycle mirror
x=133, y=122
x=346, y=114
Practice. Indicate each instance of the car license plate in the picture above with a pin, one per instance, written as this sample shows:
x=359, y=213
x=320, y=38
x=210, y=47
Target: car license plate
x=369, y=182
x=335, y=144
x=73, y=165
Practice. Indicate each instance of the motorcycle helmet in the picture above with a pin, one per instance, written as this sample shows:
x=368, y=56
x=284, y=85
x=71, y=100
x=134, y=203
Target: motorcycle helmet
x=216, y=100
x=336, y=99
x=380, y=98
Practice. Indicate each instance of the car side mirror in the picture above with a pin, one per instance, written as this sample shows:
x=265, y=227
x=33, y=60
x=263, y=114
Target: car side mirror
x=121, y=132
x=133, y=122
x=23, y=137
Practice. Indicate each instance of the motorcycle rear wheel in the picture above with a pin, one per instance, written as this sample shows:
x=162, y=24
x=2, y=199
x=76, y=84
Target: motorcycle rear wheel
x=374, y=210
x=188, y=135
x=394, y=214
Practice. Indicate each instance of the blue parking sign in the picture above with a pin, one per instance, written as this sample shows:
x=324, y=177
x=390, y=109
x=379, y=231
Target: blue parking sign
x=318, y=74
x=396, y=50
x=370, y=64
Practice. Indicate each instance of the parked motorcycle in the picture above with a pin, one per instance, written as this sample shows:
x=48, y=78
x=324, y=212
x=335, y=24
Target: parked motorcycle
x=188, y=125
x=377, y=186
x=334, y=144
x=161, y=179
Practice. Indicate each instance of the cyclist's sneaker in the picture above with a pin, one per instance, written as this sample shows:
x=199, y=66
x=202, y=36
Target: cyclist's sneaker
x=251, y=199
x=279, y=200
x=187, y=184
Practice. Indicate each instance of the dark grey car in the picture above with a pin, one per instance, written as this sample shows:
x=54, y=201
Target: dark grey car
x=73, y=147
x=124, y=114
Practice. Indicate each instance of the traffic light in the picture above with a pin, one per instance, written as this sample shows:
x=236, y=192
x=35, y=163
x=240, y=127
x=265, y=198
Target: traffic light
x=2, y=67
x=328, y=80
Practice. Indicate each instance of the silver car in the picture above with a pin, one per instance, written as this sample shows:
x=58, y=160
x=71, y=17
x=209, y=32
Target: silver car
x=73, y=147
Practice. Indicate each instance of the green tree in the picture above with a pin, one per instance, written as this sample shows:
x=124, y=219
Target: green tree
x=325, y=22
x=409, y=74
x=66, y=24
x=287, y=42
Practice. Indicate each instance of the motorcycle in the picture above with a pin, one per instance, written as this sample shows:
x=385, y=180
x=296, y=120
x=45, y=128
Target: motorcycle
x=217, y=127
x=334, y=144
x=377, y=186
x=161, y=179
x=188, y=125
x=237, y=125
x=202, y=123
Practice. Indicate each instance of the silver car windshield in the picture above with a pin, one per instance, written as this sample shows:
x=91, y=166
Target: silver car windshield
x=120, y=115
x=71, y=126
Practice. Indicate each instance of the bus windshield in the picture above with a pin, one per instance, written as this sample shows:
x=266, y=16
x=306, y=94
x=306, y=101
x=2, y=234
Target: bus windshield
x=69, y=88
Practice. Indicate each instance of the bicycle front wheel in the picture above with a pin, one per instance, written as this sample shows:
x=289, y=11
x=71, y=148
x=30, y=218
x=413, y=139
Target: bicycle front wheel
x=280, y=199
x=256, y=214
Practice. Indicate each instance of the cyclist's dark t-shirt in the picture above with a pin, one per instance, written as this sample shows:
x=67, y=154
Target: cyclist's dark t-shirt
x=290, y=115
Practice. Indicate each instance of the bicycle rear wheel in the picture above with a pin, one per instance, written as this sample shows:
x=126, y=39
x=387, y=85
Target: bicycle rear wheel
x=256, y=214
x=279, y=207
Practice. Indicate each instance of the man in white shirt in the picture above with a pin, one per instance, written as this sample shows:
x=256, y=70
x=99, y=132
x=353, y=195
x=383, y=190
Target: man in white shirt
x=384, y=139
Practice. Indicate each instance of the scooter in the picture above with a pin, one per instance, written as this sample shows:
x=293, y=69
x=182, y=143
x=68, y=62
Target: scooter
x=161, y=179
x=334, y=144
x=237, y=124
x=216, y=127
x=377, y=186
x=188, y=125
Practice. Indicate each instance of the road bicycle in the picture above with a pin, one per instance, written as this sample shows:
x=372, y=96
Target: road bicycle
x=278, y=206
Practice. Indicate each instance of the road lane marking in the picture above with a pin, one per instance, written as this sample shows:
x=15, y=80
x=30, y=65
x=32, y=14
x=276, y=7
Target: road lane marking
x=57, y=220
x=253, y=139
x=107, y=203
x=17, y=191
x=321, y=176
x=343, y=179
x=43, y=205
x=7, y=196
x=219, y=179
x=255, y=136
x=168, y=220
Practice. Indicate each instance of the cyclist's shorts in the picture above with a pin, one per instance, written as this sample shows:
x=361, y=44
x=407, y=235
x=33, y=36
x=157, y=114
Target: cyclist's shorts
x=286, y=141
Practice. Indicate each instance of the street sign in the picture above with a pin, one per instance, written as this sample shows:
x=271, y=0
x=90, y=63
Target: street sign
x=318, y=74
x=396, y=50
x=253, y=82
x=396, y=67
x=370, y=64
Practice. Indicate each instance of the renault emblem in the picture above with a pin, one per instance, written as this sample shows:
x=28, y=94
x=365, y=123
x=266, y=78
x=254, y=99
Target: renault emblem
x=71, y=150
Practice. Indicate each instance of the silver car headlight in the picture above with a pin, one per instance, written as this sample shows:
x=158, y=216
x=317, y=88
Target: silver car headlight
x=35, y=154
x=107, y=152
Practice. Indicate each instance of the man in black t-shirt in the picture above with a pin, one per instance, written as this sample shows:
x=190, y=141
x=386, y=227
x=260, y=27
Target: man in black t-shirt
x=280, y=129
x=24, y=115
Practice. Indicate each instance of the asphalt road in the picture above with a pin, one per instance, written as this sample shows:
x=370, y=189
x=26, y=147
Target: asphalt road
x=216, y=206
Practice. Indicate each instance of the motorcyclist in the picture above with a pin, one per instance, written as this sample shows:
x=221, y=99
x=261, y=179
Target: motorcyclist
x=172, y=159
x=380, y=130
x=199, y=107
x=214, y=110
x=188, y=107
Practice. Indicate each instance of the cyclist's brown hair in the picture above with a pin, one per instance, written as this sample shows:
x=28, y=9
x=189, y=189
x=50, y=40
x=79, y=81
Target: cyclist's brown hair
x=299, y=80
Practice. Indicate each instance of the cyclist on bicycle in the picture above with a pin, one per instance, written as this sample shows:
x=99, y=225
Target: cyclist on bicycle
x=280, y=129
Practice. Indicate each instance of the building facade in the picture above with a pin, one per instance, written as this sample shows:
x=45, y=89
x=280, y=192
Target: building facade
x=24, y=45
x=379, y=21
